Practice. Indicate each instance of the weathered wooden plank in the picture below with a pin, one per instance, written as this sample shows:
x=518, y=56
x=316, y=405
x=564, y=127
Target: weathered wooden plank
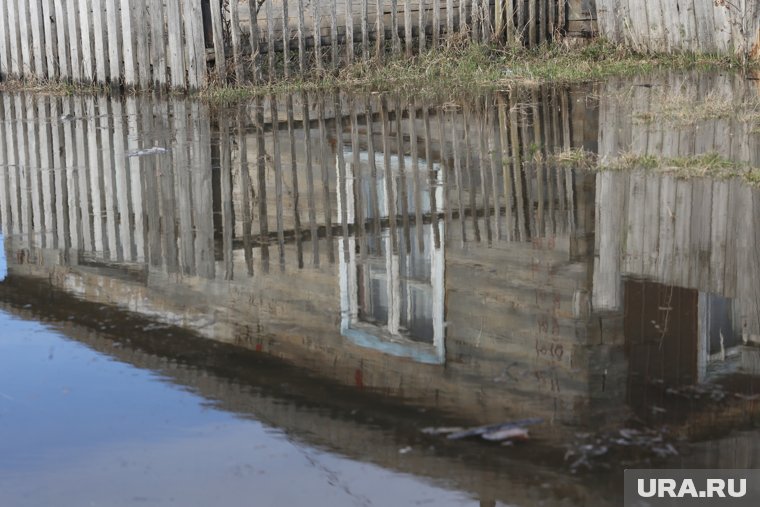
x=316, y=15
x=176, y=58
x=25, y=36
x=286, y=37
x=134, y=171
x=349, y=18
x=532, y=23
x=129, y=45
x=84, y=166
x=114, y=40
x=325, y=164
x=379, y=30
x=140, y=21
x=294, y=179
x=33, y=168
x=88, y=52
x=261, y=168
x=120, y=166
x=408, y=44
x=396, y=42
x=46, y=172
x=313, y=226
x=5, y=57
x=228, y=218
x=99, y=42
x=14, y=44
x=47, y=13
x=436, y=22
x=158, y=41
x=450, y=18
x=183, y=187
x=365, y=29
x=220, y=62
x=72, y=174
x=235, y=34
x=253, y=13
x=110, y=190
x=334, y=34
x=203, y=209
x=196, y=66
x=421, y=25
x=94, y=174
x=38, y=38
x=277, y=166
x=61, y=177
x=301, y=34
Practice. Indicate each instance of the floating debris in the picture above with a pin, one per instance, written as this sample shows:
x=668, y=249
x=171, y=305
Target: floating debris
x=442, y=431
x=405, y=450
x=66, y=117
x=509, y=434
x=155, y=150
x=626, y=444
x=493, y=428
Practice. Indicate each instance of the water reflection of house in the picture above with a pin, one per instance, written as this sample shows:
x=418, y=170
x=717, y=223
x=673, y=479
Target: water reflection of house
x=478, y=266
x=686, y=274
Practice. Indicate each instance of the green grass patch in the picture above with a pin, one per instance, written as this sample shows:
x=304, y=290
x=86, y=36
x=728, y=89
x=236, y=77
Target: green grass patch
x=710, y=164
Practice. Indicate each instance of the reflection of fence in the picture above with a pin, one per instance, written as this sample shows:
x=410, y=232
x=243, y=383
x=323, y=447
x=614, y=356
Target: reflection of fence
x=172, y=43
x=277, y=171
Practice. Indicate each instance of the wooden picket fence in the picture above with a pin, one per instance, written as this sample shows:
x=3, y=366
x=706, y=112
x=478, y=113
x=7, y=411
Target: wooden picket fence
x=159, y=44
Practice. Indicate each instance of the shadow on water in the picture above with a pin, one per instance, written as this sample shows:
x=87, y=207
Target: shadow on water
x=373, y=265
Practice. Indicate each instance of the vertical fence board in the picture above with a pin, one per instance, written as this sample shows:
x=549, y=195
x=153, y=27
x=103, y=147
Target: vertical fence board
x=176, y=58
x=113, y=28
x=270, y=39
x=25, y=37
x=316, y=15
x=365, y=30
x=237, y=57
x=334, y=34
x=395, y=41
x=98, y=30
x=4, y=51
x=195, y=45
x=301, y=38
x=349, y=31
x=128, y=44
x=379, y=29
x=14, y=47
x=158, y=42
x=437, y=22
x=421, y=25
x=220, y=63
x=38, y=38
x=253, y=12
x=449, y=18
x=285, y=39
x=408, y=27
x=141, y=21
x=85, y=25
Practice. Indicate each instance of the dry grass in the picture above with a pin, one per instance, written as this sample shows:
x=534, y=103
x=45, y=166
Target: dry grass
x=683, y=108
x=711, y=164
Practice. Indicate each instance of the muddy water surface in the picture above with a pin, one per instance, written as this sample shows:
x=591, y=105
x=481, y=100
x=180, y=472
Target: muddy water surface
x=269, y=302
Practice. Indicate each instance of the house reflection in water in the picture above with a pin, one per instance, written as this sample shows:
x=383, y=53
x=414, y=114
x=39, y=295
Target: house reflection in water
x=474, y=276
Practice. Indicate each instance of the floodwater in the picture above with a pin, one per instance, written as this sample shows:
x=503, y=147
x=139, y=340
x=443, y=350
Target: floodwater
x=267, y=303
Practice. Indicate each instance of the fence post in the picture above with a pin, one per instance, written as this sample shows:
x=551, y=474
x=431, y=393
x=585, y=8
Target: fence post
x=253, y=13
x=220, y=62
x=235, y=33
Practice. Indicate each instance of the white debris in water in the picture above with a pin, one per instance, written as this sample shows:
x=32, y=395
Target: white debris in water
x=155, y=150
x=405, y=450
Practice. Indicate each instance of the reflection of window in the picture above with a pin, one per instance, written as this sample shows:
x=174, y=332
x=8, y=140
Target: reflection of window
x=392, y=298
x=412, y=288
